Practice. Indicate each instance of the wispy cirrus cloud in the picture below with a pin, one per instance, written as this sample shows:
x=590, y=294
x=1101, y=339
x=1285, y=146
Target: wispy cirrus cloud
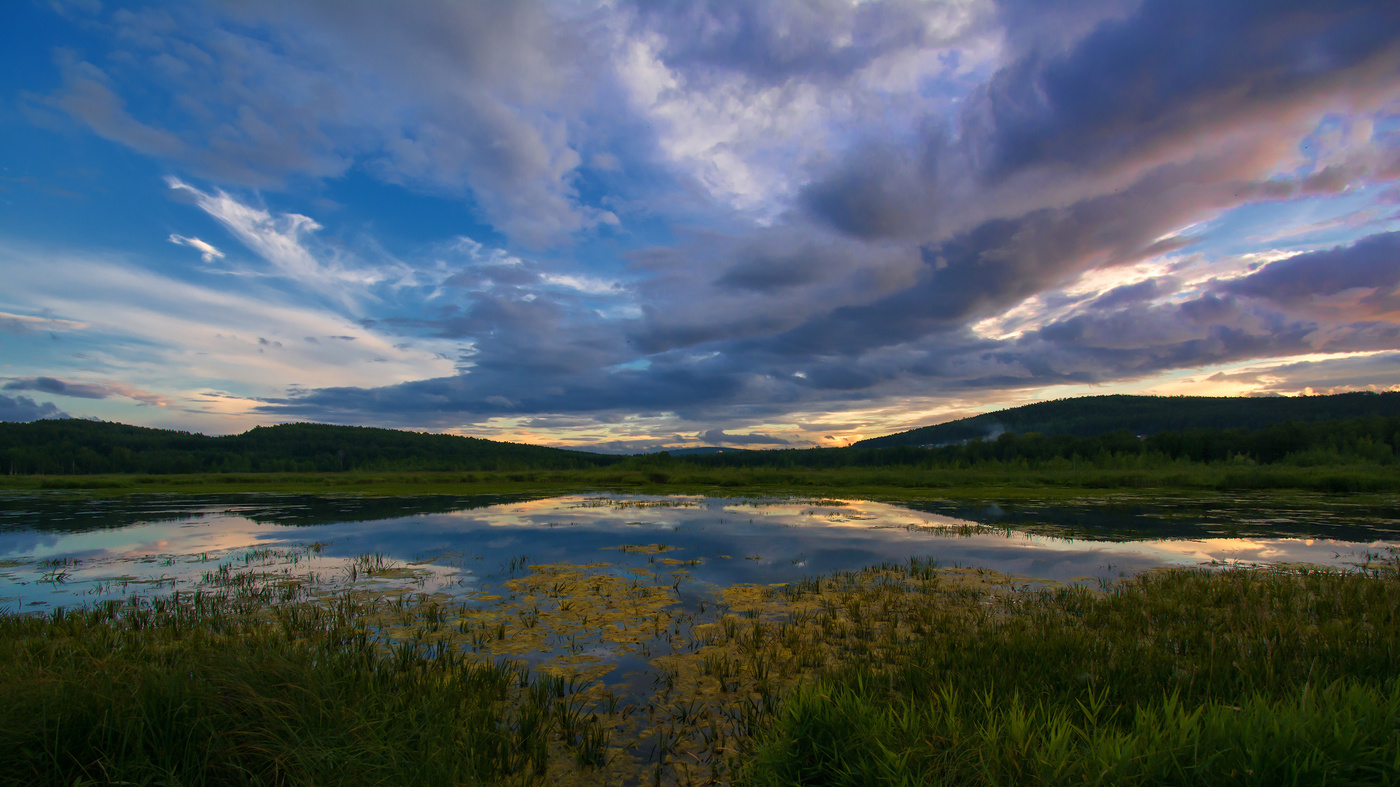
x=207, y=251
x=23, y=323
x=284, y=241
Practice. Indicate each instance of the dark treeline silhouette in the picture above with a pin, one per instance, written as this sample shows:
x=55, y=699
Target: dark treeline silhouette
x=72, y=446
x=1087, y=416
x=1375, y=439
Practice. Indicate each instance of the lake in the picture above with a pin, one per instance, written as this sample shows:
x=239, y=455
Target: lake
x=57, y=550
x=668, y=622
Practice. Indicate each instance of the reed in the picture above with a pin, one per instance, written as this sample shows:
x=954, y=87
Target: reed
x=1179, y=677
x=225, y=689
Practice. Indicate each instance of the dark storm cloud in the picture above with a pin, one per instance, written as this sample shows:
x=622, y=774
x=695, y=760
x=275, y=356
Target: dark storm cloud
x=1052, y=27
x=1371, y=263
x=1210, y=329
x=1132, y=86
x=768, y=282
x=1004, y=261
x=22, y=408
x=1146, y=290
x=879, y=191
x=774, y=41
x=51, y=385
x=503, y=391
x=1129, y=94
x=772, y=273
x=767, y=265
x=719, y=437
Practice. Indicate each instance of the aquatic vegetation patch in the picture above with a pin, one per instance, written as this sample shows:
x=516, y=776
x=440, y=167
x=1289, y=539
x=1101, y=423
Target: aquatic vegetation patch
x=643, y=549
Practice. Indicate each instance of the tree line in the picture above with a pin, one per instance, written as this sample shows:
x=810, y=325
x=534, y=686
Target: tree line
x=73, y=446
x=70, y=446
x=1087, y=416
x=1373, y=440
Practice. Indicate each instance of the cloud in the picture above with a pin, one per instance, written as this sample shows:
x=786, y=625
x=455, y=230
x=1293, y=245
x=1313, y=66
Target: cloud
x=1002, y=262
x=745, y=96
x=24, y=323
x=738, y=287
x=1368, y=269
x=870, y=292
x=1358, y=372
x=183, y=335
x=22, y=408
x=1058, y=126
x=1130, y=90
x=207, y=252
x=460, y=99
x=1139, y=292
x=719, y=437
x=824, y=207
x=776, y=41
x=87, y=96
x=285, y=241
x=52, y=385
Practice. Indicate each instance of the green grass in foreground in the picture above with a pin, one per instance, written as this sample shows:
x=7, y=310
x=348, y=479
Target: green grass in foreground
x=1180, y=678
x=988, y=479
x=894, y=674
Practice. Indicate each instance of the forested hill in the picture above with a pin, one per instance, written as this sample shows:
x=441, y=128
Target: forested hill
x=1087, y=416
x=78, y=446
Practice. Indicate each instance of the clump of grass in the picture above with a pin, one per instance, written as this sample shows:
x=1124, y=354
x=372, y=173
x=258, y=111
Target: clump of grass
x=223, y=689
x=1178, y=677
x=847, y=732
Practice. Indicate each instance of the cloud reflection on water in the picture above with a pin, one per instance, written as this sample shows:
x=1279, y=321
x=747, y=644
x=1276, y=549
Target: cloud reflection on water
x=465, y=546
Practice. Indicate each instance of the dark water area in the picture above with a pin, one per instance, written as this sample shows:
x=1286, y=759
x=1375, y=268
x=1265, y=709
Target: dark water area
x=58, y=550
x=1139, y=519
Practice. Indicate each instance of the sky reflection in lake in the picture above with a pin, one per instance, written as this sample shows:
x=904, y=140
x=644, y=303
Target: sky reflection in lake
x=60, y=551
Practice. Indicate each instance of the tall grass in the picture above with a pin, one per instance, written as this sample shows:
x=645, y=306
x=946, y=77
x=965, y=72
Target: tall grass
x=900, y=673
x=1181, y=677
x=845, y=733
x=212, y=691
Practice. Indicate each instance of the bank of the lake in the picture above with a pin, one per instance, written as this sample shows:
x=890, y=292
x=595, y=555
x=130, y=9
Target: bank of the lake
x=985, y=481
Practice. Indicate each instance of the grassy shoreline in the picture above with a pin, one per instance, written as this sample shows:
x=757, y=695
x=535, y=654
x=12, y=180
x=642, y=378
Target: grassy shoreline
x=899, y=673
x=1010, y=482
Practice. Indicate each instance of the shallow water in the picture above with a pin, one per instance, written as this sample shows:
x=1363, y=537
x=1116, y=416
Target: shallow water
x=60, y=551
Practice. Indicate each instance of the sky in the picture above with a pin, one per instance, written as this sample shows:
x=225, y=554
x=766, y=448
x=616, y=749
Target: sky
x=628, y=226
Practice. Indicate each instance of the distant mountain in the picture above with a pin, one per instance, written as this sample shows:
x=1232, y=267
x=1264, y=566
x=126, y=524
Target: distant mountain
x=1087, y=416
x=80, y=446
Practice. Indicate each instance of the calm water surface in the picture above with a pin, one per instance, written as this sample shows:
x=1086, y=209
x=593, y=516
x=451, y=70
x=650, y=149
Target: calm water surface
x=58, y=551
